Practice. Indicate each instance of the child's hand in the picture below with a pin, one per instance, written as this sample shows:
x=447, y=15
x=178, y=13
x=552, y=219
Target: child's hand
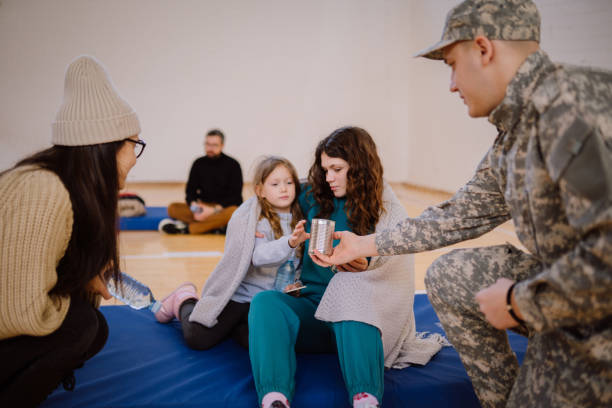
x=298, y=235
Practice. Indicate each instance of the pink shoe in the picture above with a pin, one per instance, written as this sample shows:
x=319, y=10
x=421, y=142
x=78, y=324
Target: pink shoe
x=171, y=303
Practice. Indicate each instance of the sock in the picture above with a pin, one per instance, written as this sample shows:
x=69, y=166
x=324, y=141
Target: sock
x=364, y=400
x=270, y=397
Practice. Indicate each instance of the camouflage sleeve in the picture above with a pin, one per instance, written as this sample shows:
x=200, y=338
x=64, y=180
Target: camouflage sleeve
x=475, y=209
x=576, y=288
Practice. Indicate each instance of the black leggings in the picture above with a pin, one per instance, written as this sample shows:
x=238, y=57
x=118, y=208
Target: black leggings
x=233, y=321
x=32, y=367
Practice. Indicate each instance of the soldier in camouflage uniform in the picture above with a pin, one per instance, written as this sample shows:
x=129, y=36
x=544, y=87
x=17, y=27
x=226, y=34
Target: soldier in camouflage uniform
x=550, y=170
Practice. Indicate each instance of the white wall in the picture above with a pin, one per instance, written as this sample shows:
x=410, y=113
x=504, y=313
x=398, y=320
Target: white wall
x=445, y=144
x=275, y=75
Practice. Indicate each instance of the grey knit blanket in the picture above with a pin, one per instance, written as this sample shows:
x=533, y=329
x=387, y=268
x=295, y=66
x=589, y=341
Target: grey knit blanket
x=382, y=296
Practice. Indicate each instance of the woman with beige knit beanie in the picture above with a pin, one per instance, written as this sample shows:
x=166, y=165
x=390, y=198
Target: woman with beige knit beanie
x=58, y=237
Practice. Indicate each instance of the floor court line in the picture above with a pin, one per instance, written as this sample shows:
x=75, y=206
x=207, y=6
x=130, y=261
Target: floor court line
x=169, y=255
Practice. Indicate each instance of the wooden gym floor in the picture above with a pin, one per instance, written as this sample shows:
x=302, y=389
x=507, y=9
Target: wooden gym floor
x=164, y=261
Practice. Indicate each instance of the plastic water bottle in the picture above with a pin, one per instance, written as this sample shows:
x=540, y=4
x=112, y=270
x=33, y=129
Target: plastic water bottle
x=133, y=293
x=285, y=275
x=196, y=209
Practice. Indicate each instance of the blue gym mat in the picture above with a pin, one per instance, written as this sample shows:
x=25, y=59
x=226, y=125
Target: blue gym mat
x=149, y=221
x=147, y=364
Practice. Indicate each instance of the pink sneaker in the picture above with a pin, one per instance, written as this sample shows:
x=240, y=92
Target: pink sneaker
x=274, y=400
x=171, y=303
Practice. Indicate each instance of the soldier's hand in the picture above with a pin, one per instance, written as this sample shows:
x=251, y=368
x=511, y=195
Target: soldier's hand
x=492, y=303
x=350, y=247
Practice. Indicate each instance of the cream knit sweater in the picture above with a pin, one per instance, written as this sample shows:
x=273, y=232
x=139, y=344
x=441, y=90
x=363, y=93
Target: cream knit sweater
x=35, y=228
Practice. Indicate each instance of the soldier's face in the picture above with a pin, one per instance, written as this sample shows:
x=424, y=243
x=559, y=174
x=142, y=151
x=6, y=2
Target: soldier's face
x=468, y=77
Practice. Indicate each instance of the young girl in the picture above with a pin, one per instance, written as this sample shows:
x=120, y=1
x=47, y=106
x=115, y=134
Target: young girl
x=366, y=317
x=249, y=264
x=58, y=238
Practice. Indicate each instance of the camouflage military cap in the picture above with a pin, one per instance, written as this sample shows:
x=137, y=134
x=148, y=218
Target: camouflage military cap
x=494, y=19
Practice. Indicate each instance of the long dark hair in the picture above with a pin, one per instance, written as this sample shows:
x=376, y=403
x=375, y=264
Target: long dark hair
x=364, y=178
x=263, y=170
x=90, y=175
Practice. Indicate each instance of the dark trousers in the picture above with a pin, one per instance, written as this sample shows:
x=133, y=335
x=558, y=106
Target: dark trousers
x=32, y=367
x=232, y=322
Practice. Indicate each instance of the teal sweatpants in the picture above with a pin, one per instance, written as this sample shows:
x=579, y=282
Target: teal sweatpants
x=280, y=325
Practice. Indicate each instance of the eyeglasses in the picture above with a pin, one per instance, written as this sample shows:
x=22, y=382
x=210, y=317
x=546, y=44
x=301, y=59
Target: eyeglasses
x=139, y=146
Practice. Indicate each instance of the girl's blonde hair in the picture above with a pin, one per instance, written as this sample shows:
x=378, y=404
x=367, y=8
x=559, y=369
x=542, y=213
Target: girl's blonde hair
x=263, y=170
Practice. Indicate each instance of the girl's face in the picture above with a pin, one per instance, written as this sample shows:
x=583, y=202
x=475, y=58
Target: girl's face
x=279, y=189
x=126, y=159
x=336, y=170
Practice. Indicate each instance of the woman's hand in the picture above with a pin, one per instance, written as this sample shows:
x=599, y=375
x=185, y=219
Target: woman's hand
x=292, y=289
x=350, y=248
x=356, y=265
x=98, y=286
x=298, y=235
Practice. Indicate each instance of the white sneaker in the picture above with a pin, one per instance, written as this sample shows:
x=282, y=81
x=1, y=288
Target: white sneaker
x=171, y=226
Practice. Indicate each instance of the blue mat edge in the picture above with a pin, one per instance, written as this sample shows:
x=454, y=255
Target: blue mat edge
x=458, y=395
x=147, y=222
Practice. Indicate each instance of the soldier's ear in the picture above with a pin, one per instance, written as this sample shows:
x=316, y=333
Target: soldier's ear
x=485, y=48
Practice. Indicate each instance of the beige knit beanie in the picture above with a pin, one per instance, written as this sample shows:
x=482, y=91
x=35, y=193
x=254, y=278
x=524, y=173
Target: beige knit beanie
x=92, y=111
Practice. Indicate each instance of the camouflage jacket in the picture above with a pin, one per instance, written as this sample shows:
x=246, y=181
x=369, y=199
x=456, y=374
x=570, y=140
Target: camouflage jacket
x=550, y=170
